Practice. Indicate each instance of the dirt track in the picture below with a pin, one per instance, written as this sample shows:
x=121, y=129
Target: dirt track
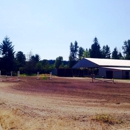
x=63, y=103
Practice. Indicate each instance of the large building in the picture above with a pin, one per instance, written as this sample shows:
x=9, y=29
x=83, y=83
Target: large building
x=108, y=68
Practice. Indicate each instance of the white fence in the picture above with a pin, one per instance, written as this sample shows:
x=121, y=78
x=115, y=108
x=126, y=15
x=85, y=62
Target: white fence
x=101, y=79
x=10, y=77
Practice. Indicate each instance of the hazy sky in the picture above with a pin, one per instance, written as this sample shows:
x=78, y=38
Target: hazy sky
x=47, y=27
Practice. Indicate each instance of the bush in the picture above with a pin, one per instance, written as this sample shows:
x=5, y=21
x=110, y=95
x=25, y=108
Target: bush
x=43, y=77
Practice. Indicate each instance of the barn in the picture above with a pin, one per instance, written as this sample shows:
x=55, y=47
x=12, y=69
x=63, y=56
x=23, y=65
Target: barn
x=108, y=68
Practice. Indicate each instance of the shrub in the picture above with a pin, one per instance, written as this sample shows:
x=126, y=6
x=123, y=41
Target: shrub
x=44, y=77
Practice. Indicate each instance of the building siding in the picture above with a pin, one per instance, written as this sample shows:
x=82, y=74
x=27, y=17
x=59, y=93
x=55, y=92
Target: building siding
x=116, y=74
x=107, y=68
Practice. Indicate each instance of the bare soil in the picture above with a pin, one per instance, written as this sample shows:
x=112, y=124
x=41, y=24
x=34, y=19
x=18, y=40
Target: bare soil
x=63, y=104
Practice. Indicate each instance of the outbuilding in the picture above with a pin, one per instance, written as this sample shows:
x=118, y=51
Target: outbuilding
x=108, y=68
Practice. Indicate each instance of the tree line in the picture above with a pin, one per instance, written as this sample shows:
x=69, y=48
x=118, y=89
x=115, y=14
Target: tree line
x=30, y=64
x=77, y=53
x=12, y=61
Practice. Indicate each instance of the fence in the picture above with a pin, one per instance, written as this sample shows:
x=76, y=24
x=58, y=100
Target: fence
x=101, y=79
x=10, y=77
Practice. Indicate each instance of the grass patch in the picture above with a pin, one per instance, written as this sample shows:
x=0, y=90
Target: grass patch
x=24, y=75
x=43, y=77
x=14, y=120
x=8, y=120
x=106, y=118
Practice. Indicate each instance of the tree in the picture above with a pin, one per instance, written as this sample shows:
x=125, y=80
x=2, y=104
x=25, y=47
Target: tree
x=20, y=59
x=45, y=64
x=35, y=58
x=7, y=52
x=86, y=53
x=81, y=52
x=126, y=49
x=74, y=51
x=116, y=54
x=32, y=65
x=120, y=55
x=73, y=54
x=59, y=61
x=95, y=51
x=39, y=66
x=106, y=52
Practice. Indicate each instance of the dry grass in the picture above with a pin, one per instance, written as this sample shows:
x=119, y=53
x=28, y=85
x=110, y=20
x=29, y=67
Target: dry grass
x=15, y=120
x=106, y=118
x=10, y=120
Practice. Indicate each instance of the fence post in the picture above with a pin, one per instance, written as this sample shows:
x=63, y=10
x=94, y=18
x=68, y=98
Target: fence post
x=37, y=75
x=18, y=75
x=113, y=80
x=50, y=75
x=92, y=76
x=92, y=79
x=11, y=73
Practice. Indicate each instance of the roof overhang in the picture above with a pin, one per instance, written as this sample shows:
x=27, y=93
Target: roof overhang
x=117, y=68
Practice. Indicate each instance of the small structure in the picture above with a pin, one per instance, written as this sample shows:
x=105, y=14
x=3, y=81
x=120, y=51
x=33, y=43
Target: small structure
x=107, y=68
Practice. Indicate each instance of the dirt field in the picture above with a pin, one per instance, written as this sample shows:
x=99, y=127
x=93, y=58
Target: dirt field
x=64, y=104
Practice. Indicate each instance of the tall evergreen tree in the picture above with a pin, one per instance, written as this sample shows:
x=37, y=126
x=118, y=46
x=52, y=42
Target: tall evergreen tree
x=81, y=52
x=126, y=49
x=7, y=52
x=106, y=52
x=120, y=55
x=73, y=53
x=95, y=51
x=116, y=54
x=20, y=59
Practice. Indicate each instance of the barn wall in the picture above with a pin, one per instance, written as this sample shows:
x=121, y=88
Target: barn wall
x=102, y=72
x=54, y=72
x=117, y=74
x=125, y=76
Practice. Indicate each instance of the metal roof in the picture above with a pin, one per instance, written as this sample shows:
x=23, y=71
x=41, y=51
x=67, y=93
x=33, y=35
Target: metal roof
x=116, y=68
x=110, y=62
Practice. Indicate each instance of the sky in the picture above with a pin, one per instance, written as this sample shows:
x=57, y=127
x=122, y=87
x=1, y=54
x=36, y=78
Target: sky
x=47, y=27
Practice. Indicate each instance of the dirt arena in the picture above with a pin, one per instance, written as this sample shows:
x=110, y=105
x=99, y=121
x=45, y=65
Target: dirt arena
x=64, y=104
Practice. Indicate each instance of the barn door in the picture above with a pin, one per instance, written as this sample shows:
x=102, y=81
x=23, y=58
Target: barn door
x=109, y=74
x=127, y=74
